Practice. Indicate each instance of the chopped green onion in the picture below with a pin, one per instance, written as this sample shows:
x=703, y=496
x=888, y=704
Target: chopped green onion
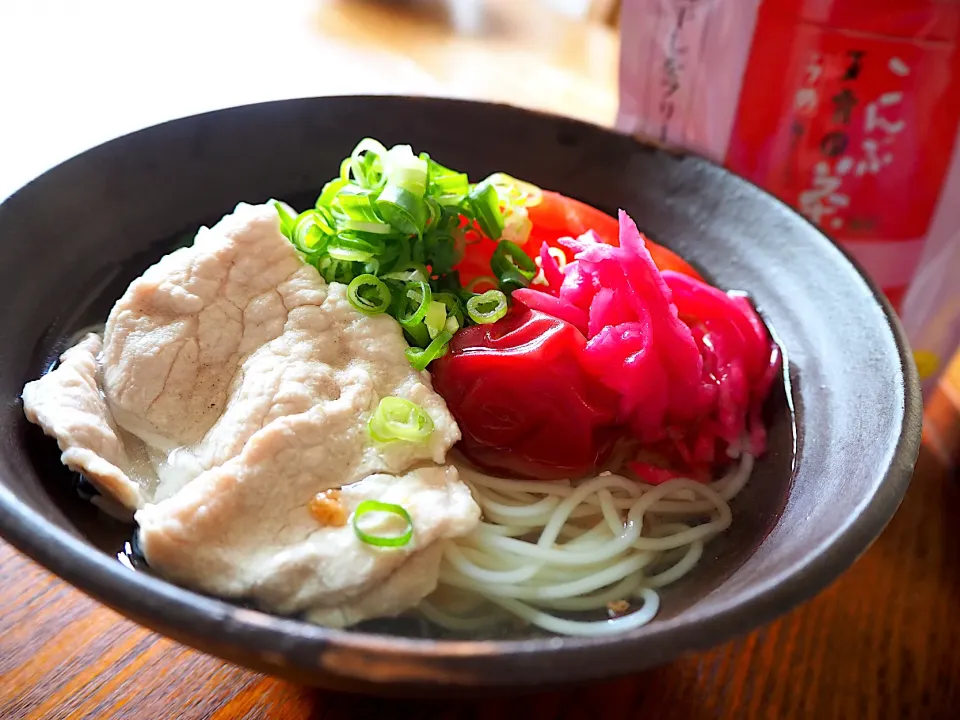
x=368, y=226
x=487, y=308
x=330, y=191
x=397, y=255
x=406, y=170
x=454, y=307
x=517, y=193
x=417, y=336
x=288, y=217
x=517, y=226
x=419, y=293
x=421, y=357
x=375, y=506
x=399, y=419
x=345, y=166
x=325, y=220
x=448, y=186
x=393, y=225
x=368, y=294
x=401, y=202
x=353, y=201
x=305, y=235
x=354, y=248
x=366, y=163
x=412, y=272
x=441, y=250
x=485, y=203
x=509, y=257
x=358, y=211
x=348, y=255
x=513, y=280
x=333, y=270
x=436, y=318
x=405, y=212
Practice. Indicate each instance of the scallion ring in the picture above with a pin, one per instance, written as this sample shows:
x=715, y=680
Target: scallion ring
x=333, y=270
x=434, y=212
x=288, y=217
x=355, y=247
x=399, y=255
x=436, y=318
x=358, y=211
x=358, y=241
x=517, y=226
x=375, y=506
x=516, y=192
x=407, y=221
x=368, y=294
x=420, y=358
x=401, y=202
x=513, y=280
x=449, y=186
x=366, y=162
x=405, y=212
x=417, y=292
x=417, y=337
x=325, y=220
x=510, y=257
x=305, y=235
x=455, y=307
x=348, y=254
x=486, y=206
x=399, y=419
x=330, y=191
x=411, y=272
x=487, y=308
x=441, y=251
x=404, y=169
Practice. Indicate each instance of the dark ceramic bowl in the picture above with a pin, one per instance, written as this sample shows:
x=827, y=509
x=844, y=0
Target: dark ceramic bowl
x=71, y=240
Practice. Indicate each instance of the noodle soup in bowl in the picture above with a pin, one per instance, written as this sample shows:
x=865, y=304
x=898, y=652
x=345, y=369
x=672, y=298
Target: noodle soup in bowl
x=500, y=442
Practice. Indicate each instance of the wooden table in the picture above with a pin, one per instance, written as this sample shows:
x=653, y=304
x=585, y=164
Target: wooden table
x=883, y=642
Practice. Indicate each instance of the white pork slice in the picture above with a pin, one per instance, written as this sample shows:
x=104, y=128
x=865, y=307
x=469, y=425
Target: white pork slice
x=250, y=382
x=68, y=405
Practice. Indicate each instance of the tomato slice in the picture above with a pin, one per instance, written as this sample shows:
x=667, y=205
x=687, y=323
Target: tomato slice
x=476, y=262
x=560, y=216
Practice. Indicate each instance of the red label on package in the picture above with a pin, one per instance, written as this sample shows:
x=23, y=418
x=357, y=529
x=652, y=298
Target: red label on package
x=854, y=129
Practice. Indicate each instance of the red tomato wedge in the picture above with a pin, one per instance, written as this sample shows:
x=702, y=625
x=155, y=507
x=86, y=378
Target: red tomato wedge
x=559, y=216
x=476, y=264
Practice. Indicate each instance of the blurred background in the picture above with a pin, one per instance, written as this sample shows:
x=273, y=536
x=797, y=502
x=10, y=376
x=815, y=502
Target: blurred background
x=78, y=73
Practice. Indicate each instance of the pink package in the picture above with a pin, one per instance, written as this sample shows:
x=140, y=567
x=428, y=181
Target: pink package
x=848, y=110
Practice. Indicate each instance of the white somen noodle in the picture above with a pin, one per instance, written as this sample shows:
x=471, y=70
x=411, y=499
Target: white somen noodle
x=545, y=549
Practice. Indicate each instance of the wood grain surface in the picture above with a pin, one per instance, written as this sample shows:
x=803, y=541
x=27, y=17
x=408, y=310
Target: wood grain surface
x=882, y=642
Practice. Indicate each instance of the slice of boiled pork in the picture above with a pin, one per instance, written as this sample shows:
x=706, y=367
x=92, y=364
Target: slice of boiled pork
x=233, y=385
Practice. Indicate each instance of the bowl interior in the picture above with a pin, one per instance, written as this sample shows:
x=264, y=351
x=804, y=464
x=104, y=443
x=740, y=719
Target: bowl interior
x=757, y=507
x=73, y=239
